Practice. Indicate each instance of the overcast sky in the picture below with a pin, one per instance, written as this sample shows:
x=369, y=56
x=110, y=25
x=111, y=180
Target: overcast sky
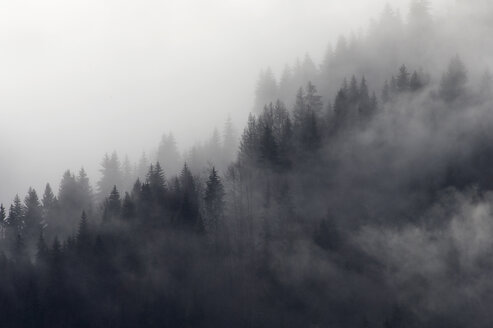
x=79, y=78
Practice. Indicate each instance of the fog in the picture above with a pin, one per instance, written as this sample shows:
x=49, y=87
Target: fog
x=332, y=168
x=79, y=79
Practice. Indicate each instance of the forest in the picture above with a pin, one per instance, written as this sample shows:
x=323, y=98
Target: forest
x=358, y=194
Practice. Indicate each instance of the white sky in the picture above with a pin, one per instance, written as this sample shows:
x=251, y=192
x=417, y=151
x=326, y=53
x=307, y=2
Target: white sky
x=79, y=78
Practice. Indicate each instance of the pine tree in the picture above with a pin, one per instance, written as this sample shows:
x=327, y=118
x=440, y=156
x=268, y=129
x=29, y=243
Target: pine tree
x=189, y=209
x=143, y=167
x=266, y=90
x=67, y=194
x=32, y=217
x=20, y=251
x=486, y=85
x=268, y=146
x=453, y=83
x=403, y=79
x=15, y=221
x=353, y=91
x=365, y=109
x=419, y=15
x=286, y=84
x=168, y=155
x=299, y=112
x=386, y=92
x=84, y=191
x=42, y=254
x=157, y=180
x=3, y=222
x=128, y=207
x=83, y=238
x=415, y=84
x=341, y=108
x=127, y=174
x=312, y=100
x=249, y=142
x=110, y=174
x=230, y=143
x=112, y=205
x=214, y=199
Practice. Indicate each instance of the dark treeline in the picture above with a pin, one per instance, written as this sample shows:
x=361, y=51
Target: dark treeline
x=373, y=209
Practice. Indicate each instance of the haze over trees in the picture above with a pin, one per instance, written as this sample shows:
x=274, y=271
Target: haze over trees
x=358, y=195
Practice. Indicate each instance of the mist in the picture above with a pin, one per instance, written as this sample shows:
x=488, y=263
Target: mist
x=89, y=78
x=246, y=164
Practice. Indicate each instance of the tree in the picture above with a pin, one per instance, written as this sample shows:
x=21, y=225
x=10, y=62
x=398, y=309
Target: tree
x=268, y=145
x=3, y=221
x=49, y=202
x=32, y=217
x=42, y=254
x=249, y=142
x=266, y=90
x=110, y=174
x=386, y=92
x=112, y=206
x=453, y=83
x=189, y=208
x=168, y=154
x=214, y=199
x=230, y=142
x=416, y=83
x=83, y=238
x=157, y=180
x=299, y=111
x=15, y=221
x=143, y=167
x=84, y=191
x=67, y=194
x=312, y=99
x=341, y=108
x=20, y=251
x=365, y=106
x=353, y=91
x=486, y=85
x=128, y=207
x=419, y=15
x=128, y=173
x=403, y=79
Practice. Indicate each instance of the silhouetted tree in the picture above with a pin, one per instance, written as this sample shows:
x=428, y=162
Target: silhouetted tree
x=110, y=174
x=453, y=83
x=214, y=200
x=403, y=79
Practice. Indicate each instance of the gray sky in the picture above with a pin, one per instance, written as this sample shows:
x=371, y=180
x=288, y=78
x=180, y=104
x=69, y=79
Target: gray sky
x=79, y=78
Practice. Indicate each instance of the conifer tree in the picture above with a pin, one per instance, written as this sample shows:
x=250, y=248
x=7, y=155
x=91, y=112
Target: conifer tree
x=32, y=217
x=313, y=100
x=83, y=238
x=168, y=155
x=128, y=207
x=84, y=191
x=3, y=222
x=403, y=79
x=453, y=83
x=110, y=174
x=42, y=254
x=15, y=221
x=112, y=206
x=214, y=199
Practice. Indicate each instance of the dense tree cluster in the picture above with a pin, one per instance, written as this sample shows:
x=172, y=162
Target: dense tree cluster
x=358, y=196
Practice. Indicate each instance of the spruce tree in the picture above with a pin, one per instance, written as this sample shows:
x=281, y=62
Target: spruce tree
x=453, y=83
x=402, y=82
x=32, y=217
x=214, y=199
x=15, y=221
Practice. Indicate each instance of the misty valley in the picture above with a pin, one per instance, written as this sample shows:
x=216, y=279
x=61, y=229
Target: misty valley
x=357, y=194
